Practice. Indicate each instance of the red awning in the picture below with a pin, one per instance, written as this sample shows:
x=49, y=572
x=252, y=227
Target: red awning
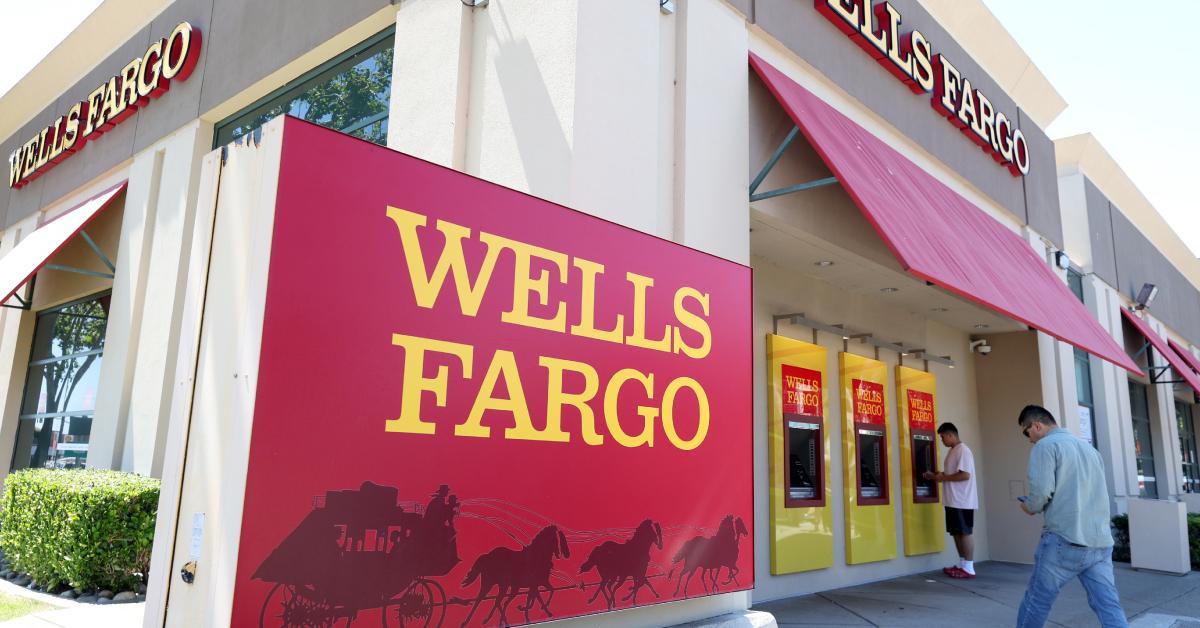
x=31, y=253
x=1187, y=356
x=934, y=232
x=1160, y=345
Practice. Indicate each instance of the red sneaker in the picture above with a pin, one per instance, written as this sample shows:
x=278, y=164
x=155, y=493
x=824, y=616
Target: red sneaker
x=949, y=570
x=960, y=574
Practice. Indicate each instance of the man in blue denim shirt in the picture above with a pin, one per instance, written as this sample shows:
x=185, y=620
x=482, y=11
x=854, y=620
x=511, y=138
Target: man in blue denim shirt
x=1066, y=485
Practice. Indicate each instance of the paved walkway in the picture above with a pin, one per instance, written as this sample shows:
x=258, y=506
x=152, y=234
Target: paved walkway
x=71, y=614
x=1151, y=600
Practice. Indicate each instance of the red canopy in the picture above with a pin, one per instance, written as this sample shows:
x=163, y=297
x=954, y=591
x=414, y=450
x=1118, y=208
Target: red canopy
x=1160, y=345
x=934, y=232
x=1187, y=356
x=31, y=253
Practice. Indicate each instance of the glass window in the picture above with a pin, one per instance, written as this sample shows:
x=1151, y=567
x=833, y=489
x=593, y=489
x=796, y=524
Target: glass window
x=350, y=94
x=1187, y=447
x=60, y=389
x=1142, y=445
x=1083, y=393
x=1075, y=282
x=1083, y=372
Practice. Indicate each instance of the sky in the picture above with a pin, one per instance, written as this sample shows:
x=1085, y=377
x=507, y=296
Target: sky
x=1124, y=69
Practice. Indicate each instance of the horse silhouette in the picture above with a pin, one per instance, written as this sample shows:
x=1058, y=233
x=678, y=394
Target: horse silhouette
x=710, y=554
x=617, y=562
x=512, y=571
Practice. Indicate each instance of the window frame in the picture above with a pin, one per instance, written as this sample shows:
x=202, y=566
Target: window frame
x=1147, y=458
x=1185, y=415
x=33, y=363
x=301, y=84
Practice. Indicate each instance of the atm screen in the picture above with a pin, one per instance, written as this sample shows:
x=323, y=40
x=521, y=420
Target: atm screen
x=804, y=465
x=873, y=464
x=924, y=453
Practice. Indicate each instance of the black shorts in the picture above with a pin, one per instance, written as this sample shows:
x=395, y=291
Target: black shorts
x=959, y=521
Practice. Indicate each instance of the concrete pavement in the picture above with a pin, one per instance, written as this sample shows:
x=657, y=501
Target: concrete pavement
x=1151, y=600
x=71, y=614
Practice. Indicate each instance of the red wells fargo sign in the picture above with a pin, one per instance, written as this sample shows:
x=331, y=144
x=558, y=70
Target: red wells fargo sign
x=475, y=406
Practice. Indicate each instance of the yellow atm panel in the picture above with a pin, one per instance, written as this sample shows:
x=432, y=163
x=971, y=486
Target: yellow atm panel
x=801, y=493
x=924, y=523
x=870, y=517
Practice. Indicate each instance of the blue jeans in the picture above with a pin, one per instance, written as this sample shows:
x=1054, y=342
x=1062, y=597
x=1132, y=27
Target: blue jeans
x=1057, y=561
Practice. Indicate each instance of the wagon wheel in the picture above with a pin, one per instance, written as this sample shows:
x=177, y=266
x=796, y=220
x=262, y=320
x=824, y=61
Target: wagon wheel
x=421, y=605
x=287, y=607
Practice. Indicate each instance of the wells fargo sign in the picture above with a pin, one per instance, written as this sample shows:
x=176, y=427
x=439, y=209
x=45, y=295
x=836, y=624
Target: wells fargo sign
x=910, y=57
x=147, y=77
x=476, y=407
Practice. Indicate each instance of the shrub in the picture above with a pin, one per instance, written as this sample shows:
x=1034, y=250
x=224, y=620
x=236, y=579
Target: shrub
x=90, y=529
x=1193, y=520
x=1120, y=530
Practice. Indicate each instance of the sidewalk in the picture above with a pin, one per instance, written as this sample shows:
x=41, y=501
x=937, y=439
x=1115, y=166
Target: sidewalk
x=1151, y=600
x=71, y=614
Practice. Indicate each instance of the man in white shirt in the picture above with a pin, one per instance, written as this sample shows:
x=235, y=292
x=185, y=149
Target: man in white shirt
x=960, y=498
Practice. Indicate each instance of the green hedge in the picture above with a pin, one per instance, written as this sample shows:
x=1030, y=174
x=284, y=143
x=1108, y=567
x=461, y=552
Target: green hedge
x=1120, y=529
x=89, y=529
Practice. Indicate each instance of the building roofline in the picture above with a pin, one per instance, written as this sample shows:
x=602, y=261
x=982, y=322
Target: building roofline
x=112, y=24
x=1084, y=153
x=986, y=39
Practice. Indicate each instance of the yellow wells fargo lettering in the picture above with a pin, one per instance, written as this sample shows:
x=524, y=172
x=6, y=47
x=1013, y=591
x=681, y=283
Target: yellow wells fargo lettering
x=658, y=400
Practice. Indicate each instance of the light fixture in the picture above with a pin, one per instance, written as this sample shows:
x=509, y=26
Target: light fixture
x=889, y=290
x=981, y=326
x=666, y=6
x=1145, y=296
x=939, y=309
x=1062, y=260
x=823, y=263
x=981, y=347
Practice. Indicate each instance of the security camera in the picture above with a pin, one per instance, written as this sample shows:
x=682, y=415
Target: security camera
x=981, y=347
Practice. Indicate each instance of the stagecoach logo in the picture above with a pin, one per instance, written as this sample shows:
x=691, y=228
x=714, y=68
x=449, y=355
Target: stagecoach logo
x=361, y=550
x=144, y=78
x=910, y=58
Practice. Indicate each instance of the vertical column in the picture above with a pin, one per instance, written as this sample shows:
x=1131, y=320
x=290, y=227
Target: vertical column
x=107, y=439
x=151, y=392
x=619, y=114
x=1164, y=430
x=431, y=73
x=16, y=334
x=1114, y=420
x=713, y=144
x=131, y=416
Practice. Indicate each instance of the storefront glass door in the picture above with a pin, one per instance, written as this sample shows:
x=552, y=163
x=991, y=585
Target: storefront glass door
x=60, y=389
x=1143, y=446
x=1187, y=447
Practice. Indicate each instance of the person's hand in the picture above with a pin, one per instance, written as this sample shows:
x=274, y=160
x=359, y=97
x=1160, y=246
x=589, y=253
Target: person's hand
x=928, y=475
x=1025, y=507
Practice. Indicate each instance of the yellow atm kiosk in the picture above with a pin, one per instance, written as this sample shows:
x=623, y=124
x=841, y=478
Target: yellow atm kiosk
x=924, y=523
x=870, y=517
x=801, y=494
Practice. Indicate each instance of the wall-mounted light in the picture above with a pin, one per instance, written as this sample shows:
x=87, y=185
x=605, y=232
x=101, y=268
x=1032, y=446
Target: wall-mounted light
x=981, y=347
x=1145, y=296
x=666, y=6
x=1062, y=260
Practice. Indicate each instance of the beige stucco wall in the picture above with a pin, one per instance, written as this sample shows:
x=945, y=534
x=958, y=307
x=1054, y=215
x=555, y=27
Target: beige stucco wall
x=777, y=290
